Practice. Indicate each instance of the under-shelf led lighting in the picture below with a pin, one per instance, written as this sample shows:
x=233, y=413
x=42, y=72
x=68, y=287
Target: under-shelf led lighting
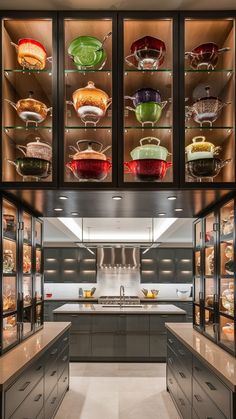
x=74, y=213
x=166, y=272
x=50, y=259
x=161, y=214
x=185, y=260
x=171, y=198
x=166, y=260
x=62, y=197
x=69, y=271
x=58, y=209
x=117, y=198
x=178, y=209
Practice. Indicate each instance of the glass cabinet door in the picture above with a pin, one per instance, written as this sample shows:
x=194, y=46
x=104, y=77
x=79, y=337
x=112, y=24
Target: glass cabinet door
x=227, y=275
x=38, y=274
x=27, y=276
x=9, y=291
x=209, y=95
x=28, y=99
x=148, y=100
x=210, y=278
x=197, y=247
x=87, y=71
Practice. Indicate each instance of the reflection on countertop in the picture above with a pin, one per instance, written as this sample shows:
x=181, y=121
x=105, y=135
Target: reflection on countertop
x=103, y=309
x=217, y=359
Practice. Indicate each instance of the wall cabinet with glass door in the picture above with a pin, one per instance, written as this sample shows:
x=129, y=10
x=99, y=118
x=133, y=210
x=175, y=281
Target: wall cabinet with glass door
x=208, y=86
x=214, y=281
x=29, y=92
x=21, y=275
x=147, y=94
x=88, y=103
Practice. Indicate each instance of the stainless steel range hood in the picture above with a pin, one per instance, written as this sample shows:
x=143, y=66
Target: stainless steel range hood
x=118, y=257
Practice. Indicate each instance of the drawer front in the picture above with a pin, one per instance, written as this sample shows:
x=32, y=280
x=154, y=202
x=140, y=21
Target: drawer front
x=172, y=342
x=50, y=379
x=211, y=384
x=183, y=404
x=32, y=405
x=62, y=361
x=51, y=403
x=51, y=355
x=80, y=345
x=203, y=404
x=158, y=347
x=137, y=346
x=79, y=322
x=157, y=322
x=173, y=362
x=64, y=341
x=171, y=382
x=185, y=357
x=182, y=374
x=104, y=323
x=15, y=395
x=63, y=383
x=135, y=323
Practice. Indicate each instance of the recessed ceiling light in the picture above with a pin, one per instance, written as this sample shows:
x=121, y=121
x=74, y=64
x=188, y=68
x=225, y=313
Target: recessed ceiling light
x=117, y=198
x=178, y=209
x=63, y=197
x=161, y=213
x=172, y=198
x=58, y=209
x=74, y=213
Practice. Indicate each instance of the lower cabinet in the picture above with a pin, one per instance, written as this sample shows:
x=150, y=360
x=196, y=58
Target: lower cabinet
x=197, y=391
x=38, y=391
x=118, y=336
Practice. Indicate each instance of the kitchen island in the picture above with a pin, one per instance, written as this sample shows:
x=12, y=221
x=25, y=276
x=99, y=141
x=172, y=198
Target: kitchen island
x=127, y=333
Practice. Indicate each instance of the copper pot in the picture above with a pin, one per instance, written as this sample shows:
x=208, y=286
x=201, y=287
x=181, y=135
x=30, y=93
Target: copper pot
x=90, y=103
x=30, y=110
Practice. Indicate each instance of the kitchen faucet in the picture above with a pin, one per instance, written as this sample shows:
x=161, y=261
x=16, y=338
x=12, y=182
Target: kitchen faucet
x=122, y=294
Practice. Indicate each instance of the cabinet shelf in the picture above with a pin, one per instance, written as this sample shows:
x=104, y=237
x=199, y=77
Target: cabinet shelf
x=9, y=273
x=88, y=71
x=161, y=70
x=229, y=70
x=30, y=127
x=27, y=71
x=225, y=314
x=9, y=313
x=8, y=238
x=147, y=127
x=207, y=128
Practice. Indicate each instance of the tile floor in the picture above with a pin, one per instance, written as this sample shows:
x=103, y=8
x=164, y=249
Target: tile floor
x=117, y=391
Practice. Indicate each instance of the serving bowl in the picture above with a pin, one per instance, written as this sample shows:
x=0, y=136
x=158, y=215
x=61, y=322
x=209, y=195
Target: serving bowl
x=147, y=53
x=148, y=112
x=205, y=56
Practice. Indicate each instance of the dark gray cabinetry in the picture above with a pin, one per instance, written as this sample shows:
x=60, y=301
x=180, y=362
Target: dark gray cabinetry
x=38, y=391
x=118, y=336
x=165, y=265
x=69, y=265
x=197, y=391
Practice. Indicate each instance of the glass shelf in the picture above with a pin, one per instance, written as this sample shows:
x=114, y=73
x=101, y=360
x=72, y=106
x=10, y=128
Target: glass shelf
x=9, y=273
x=8, y=312
x=165, y=70
x=208, y=128
x=85, y=128
x=31, y=127
x=8, y=238
x=27, y=71
x=88, y=71
x=209, y=71
x=227, y=238
x=148, y=127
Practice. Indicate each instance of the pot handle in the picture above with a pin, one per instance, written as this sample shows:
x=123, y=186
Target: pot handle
x=169, y=164
x=79, y=142
x=104, y=40
x=225, y=162
x=69, y=166
x=109, y=102
x=129, y=97
x=198, y=137
x=11, y=103
x=49, y=59
x=127, y=168
x=106, y=148
x=49, y=110
x=129, y=108
x=150, y=139
x=223, y=50
x=69, y=102
x=12, y=162
x=163, y=104
x=14, y=45
x=71, y=147
x=21, y=148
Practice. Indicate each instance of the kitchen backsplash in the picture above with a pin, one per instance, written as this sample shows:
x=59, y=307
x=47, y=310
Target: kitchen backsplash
x=108, y=283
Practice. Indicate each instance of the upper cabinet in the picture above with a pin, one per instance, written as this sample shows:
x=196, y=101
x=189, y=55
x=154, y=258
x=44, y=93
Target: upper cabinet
x=147, y=91
x=88, y=103
x=29, y=71
x=118, y=99
x=208, y=54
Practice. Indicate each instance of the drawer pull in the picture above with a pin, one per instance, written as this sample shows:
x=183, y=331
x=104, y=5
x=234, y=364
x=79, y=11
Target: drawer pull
x=170, y=381
x=181, y=352
x=182, y=374
x=170, y=341
x=198, y=398
x=210, y=385
x=53, y=400
x=24, y=387
x=53, y=352
x=39, y=368
x=65, y=379
x=197, y=369
x=53, y=373
x=64, y=359
x=170, y=361
x=38, y=397
x=182, y=402
x=65, y=339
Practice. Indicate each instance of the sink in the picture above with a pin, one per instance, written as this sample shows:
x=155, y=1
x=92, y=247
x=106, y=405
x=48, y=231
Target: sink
x=124, y=305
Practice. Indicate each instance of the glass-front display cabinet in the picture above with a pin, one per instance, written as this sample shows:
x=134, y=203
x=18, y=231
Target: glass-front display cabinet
x=209, y=98
x=148, y=83
x=216, y=282
x=197, y=272
x=29, y=91
x=87, y=71
x=21, y=247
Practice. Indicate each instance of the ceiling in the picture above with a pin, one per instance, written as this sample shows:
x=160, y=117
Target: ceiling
x=129, y=230
x=117, y=5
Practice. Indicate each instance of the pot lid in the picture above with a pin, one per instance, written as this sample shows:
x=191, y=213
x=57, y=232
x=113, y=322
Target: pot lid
x=90, y=88
x=207, y=89
x=38, y=142
x=150, y=143
x=196, y=144
x=31, y=41
x=89, y=152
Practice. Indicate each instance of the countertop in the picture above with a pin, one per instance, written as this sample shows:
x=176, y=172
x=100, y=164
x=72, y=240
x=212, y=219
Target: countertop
x=218, y=360
x=18, y=358
x=99, y=308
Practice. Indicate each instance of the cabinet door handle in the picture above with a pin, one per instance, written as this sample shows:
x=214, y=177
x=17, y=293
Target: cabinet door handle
x=53, y=400
x=38, y=397
x=53, y=373
x=198, y=398
x=210, y=385
x=23, y=388
x=182, y=374
x=64, y=358
x=182, y=402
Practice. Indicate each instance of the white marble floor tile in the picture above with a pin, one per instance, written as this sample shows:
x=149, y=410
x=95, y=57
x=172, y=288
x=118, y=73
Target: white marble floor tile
x=117, y=391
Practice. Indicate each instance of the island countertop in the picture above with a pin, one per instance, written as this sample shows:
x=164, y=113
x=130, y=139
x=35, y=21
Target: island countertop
x=101, y=309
